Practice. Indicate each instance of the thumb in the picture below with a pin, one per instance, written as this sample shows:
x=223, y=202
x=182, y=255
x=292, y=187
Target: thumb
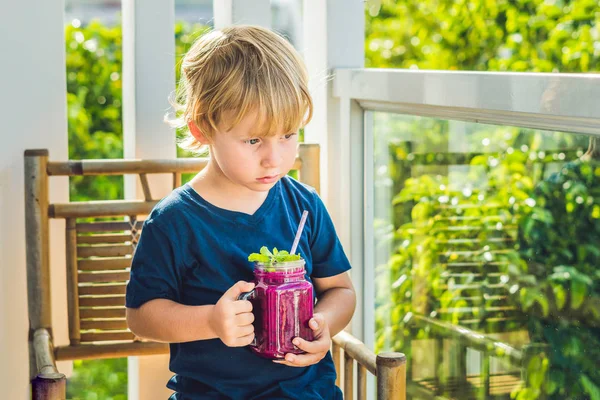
x=317, y=322
x=240, y=287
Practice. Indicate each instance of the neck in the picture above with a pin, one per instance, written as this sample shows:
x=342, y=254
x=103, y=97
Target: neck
x=216, y=188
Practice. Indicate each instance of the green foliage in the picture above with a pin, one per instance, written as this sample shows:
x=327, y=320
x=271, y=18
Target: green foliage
x=94, y=97
x=484, y=35
x=560, y=281
x=98, y=380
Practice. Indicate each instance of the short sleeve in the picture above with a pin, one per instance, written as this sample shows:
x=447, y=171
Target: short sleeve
x=154, y=270
x=328, y=255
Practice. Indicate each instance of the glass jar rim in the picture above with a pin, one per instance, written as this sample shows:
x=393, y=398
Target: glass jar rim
x=281, y=265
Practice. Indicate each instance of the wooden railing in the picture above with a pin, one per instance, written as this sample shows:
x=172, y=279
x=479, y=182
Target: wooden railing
x=388, y=368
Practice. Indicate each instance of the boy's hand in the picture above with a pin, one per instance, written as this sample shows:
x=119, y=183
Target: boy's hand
x=231, y=319
x=315, y=350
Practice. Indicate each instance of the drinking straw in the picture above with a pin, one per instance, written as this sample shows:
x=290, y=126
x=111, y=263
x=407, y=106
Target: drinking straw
x=299, y=232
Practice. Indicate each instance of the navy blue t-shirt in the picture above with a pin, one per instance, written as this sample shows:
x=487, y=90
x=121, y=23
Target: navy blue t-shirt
x=192, y=252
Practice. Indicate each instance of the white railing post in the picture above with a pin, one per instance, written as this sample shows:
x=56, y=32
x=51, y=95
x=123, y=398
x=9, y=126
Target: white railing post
x=148, y=80
x=334, y=38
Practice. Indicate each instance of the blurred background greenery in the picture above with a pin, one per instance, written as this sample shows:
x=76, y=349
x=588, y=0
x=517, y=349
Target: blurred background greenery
x=482, y=35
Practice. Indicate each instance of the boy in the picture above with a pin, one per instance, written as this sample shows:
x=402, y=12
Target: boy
x=245, y=97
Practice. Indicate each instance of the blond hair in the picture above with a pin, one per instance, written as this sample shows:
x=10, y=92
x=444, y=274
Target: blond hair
x=241, y=69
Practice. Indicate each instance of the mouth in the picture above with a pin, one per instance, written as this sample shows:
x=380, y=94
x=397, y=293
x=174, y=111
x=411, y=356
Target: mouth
x=268, y=179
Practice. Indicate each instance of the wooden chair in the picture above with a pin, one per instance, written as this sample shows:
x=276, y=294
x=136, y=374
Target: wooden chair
x=100, y=240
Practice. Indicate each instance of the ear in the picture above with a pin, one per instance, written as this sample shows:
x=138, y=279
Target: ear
x=197, y=133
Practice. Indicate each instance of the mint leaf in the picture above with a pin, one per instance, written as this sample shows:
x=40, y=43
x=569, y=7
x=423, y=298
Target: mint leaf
x=255, y=257
x=277, y=256
x=265, y=251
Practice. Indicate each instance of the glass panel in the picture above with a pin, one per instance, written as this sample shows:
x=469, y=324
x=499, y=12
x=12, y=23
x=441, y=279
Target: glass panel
x=487, y=247
x=518, y=36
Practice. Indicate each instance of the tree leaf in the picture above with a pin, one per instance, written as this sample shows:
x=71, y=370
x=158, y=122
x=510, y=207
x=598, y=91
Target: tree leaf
x=560, y=295
x=590, y=387
x=578, y=292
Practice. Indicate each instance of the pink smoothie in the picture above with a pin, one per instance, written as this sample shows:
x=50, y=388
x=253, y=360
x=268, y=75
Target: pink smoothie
x=283, y=306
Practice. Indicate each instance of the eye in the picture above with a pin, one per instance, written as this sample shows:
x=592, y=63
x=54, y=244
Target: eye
x=289, y=135
x=252, y=141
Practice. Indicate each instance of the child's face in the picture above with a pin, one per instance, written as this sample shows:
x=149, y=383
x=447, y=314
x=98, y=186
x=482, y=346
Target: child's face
x=256, y=163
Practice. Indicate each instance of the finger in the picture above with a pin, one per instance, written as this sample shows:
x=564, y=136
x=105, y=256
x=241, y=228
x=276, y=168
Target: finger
x=245, y=340
x=283, y=362
x=245, y=330
x=244, y=319
x=240, y=287
x=316, y=346
x=242, y=306
x=302, y=360
x=313, y=324
x=317, y=322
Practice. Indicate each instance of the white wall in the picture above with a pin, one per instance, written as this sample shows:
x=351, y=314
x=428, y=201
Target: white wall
x=33, y=111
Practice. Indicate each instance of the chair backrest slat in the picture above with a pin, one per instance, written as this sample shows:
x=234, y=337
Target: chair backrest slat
x=92, y=313
x=101, y=301
x=103, y=277
x=109, y=289
x=105, y=264
x=103, y=238
x=107, y=226
x=105, y=324
x=108, y=336
x=114, y=250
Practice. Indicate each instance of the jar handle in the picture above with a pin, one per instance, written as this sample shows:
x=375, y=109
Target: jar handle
x=249, y=296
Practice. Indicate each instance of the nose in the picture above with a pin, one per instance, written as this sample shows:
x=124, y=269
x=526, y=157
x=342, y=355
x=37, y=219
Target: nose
x=272, y=155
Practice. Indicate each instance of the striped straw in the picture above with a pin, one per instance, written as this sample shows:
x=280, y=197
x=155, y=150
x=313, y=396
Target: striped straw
x=299, y=232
